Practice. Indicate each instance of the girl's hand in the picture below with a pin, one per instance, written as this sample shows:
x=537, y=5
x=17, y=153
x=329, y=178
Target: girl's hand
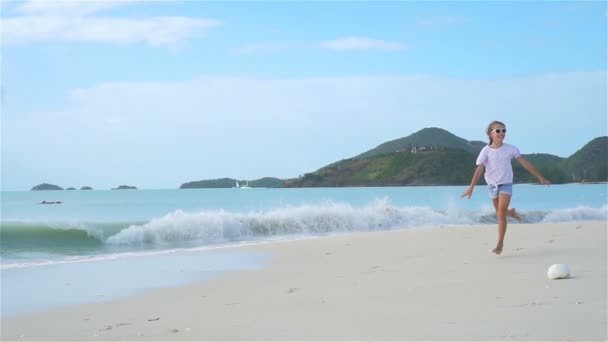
x=468, y=193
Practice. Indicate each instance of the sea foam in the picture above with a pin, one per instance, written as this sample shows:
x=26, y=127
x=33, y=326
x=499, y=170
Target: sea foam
x=220, y=226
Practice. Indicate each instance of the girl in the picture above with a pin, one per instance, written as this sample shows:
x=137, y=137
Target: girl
x=495, y=159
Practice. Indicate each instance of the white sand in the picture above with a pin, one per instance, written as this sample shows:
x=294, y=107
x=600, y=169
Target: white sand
x=419, y=284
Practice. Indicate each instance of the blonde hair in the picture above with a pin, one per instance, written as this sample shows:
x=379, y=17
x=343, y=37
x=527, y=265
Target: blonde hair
x=495, y=122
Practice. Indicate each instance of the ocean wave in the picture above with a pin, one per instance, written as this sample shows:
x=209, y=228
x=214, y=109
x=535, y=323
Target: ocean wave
x=48, y=233
x=60, y=231
x=220, y=226
x=581, y=213
x=212, y=227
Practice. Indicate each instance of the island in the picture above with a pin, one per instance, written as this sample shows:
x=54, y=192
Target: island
x=125, y=187
x=86, y=188
x=46, y=186
x=431, y=156
x=266, y=182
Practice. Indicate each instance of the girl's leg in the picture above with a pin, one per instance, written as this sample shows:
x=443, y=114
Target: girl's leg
x=511, y=212
x=501, y=204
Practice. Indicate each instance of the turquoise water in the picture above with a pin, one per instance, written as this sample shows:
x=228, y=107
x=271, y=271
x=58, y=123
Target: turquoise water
x=100, y=245
x=30, y=289
x=92, y=224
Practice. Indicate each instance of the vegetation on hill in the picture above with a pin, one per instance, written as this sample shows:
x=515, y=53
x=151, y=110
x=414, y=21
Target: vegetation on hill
x=210, y=183
x=46, y=186
x=266, y=182
x=434, y=156
x=589, y=164
x=429, y=137
x=547, y=164
x=439, y=166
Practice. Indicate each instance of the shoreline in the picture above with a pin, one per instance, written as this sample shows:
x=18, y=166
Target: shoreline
x=437, y=283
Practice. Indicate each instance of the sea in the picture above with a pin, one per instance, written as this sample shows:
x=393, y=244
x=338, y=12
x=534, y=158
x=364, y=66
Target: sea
x=104, y=244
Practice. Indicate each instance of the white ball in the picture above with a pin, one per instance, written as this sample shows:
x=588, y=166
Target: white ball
x=558, y=271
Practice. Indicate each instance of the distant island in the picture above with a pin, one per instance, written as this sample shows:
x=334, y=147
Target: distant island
x=431, y=156
x=266, y=182
x=125, y=187
x=46, y=186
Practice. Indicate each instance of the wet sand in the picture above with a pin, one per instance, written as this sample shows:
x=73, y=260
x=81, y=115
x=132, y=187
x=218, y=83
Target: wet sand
x=415, y=284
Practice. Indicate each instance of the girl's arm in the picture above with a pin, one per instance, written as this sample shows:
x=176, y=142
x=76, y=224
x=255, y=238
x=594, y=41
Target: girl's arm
x=528, y=166
x=478, y=172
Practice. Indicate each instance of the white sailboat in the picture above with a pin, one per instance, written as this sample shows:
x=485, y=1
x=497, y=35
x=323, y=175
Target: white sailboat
x=239, y=186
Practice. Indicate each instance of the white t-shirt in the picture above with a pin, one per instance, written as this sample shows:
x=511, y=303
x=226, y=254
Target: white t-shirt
x=497, y=162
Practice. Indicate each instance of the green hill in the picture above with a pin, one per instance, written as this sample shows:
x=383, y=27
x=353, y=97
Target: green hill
x=431, y=167
x=547, y=164
x=266, y=182
x=433, y=156
x=427, y=137
x=589, y=164
x=209, y=183
x=543, y=159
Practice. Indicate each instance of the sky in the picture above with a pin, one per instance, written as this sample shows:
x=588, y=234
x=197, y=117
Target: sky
x=155, y=94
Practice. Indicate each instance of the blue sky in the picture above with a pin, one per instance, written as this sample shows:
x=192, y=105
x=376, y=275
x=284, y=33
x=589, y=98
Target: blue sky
x=158, y=93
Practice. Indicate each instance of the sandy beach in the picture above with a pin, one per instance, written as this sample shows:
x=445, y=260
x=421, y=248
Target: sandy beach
x=416, y=284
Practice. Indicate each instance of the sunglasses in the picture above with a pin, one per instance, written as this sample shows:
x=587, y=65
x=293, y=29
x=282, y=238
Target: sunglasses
x=498, y=130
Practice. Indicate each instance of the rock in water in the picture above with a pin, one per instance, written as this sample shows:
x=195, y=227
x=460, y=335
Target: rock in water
x=558, y=271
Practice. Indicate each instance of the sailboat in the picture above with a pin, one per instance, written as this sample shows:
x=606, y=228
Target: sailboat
x=246, y=186
x=237, y=186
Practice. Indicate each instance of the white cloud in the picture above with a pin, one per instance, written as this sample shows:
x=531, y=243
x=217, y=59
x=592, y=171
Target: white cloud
x=72, y=22
x=68, y=7
x=361, y=43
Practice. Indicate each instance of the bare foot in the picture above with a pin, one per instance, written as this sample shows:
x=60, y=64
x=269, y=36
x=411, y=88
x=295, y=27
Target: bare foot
x=514, y=214
x=497, y=250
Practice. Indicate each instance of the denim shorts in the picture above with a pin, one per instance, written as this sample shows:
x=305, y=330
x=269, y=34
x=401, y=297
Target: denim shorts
x=496, y=189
